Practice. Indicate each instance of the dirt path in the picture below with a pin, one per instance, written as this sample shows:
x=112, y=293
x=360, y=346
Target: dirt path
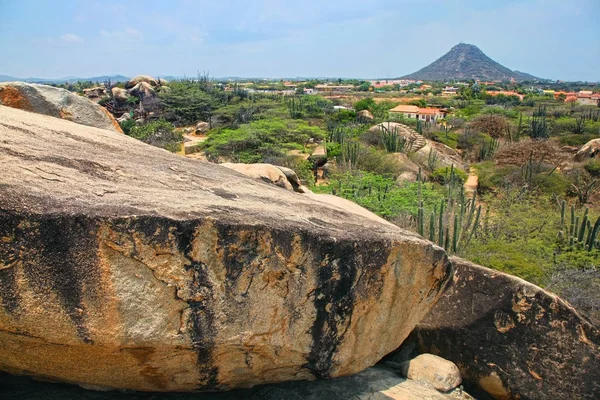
x=472, y=182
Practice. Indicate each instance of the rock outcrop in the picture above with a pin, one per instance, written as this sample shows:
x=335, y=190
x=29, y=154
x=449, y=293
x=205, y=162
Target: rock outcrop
x=365, y=116
x=125, y=266
x=589, y=150
x=512, y=339
x=143, y=78
x=56, y=102
x=119, y=94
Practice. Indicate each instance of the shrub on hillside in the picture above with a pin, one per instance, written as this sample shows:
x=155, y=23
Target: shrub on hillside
x=593, y=167
x=365, y=104
x=445, y=174
x=492, y=124
x=158, y=133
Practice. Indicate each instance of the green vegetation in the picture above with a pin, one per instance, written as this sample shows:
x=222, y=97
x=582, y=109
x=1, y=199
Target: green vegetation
x=258, y=140
x=158, y=133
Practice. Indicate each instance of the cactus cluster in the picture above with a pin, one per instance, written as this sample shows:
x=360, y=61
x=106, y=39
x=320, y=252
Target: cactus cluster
x=580, y=233
x=488, y=149
x=454, y=223
x=394, y=142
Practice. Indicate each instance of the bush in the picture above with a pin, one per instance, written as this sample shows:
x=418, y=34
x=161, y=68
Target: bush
x=593, y=167
x=253, y=142
x=127, y=125
x=443, y=175
x=158, y=133
x=492, y=124
x=576, y=140
x=365, y=104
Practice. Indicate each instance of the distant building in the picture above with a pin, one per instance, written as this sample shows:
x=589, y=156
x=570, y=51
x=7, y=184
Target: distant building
x=449, y=91
x=587, y=98
x=506, y=93
x=328, y=89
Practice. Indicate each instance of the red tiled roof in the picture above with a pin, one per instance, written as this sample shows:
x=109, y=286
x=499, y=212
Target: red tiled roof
x=403, y=108
x=429, y=111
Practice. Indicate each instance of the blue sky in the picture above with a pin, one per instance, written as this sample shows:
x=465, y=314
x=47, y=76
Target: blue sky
x=557, y=39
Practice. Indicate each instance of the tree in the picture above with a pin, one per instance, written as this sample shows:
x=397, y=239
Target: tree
x=365, y=104
x=158, y=133
x=187, y=103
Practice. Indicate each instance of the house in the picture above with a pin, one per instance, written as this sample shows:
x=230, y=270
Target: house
x=430, y=114
x=506, y=93
x=423, y=114
x=449, y=91
x=586, y=98
x=404, y=110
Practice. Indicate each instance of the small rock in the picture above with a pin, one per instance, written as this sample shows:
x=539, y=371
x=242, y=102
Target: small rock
x=440, y=373
x=202, y=127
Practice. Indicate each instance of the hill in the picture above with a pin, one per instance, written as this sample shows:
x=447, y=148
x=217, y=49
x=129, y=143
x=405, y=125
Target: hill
x=69, y=79
x=466, y=61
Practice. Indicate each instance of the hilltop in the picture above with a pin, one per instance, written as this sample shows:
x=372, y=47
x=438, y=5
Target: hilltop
x=467, y=61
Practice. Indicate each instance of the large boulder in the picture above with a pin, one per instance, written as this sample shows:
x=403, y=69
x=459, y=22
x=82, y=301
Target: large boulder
x=364, y=116
x=266, y=172
x=512, y=339
x=142, y=90
x=141, y=78
x=202, y=127
x=119, y=94
x=56, y=102
x=125, y=266
x=589, y=150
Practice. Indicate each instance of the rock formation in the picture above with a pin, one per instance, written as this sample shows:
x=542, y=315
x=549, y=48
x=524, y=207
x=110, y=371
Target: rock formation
x=439, y=373
x=125, y=266
x=143, y=78
x=511, y=339
x=59, y=103
x=589, y=150
x=365, y=116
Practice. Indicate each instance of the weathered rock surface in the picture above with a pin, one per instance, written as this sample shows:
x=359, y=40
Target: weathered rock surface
x=142, y=78
x=377, y=383
x=589, y=150
x=142, y=90
x=120, y=94
x=436, y=371
x=365, y=115
x=125, y=266
x=512, y=339
x=266, y=172
x=56, y=102
x=202, y=127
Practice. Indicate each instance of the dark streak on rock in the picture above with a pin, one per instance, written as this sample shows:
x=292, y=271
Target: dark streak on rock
x=57, y=254
x=201, y=320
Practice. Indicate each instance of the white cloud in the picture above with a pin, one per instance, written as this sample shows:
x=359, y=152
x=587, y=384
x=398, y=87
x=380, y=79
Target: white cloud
x=71, y=38
x=129, y=34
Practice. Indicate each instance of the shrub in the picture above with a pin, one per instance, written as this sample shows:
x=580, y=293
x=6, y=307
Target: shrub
x=127, y=125
x=593, y=167
x=365, y=104
x=445, y=174
x=492, y=124
x=158, y=133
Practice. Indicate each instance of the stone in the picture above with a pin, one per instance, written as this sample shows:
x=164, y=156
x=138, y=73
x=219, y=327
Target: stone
x=441, y=374
x=56, y=102
x=202, y=127
x=377, y=383
x=142, y=90
x=512, y=339
x=125, y=117
x=589, y=150
x=365, y=115
x=141, y=78
x=265, y=172
x=98, y=91
x=119, y=94
x=125, y=266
